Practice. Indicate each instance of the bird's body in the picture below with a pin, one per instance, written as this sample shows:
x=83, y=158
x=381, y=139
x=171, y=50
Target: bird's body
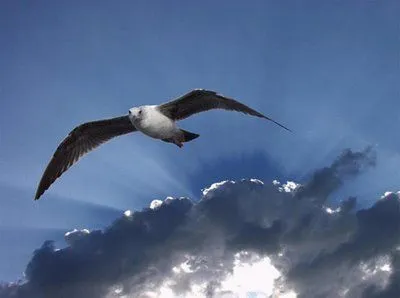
x=155, y=121
x=151, y=122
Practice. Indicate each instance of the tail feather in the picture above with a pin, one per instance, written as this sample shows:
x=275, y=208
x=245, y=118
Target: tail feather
x=189, y=136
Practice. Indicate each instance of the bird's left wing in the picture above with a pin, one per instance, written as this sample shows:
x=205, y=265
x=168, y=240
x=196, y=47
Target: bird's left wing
x=200, y=100
x=80, y=141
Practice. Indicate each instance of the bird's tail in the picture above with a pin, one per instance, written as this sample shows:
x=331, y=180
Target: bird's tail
x=189, y=136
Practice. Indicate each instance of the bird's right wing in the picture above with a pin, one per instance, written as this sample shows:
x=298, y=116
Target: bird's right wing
x=201, y=100
x=80, y=141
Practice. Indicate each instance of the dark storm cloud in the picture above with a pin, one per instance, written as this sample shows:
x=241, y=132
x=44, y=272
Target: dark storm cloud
x=320, y=252
x=375, y=235
x=328, y=179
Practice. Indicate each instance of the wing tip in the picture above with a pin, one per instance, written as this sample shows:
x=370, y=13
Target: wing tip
x=37, y=196
x=277, y=123
x=284, y=127
x=40, y=190
x=288, y=129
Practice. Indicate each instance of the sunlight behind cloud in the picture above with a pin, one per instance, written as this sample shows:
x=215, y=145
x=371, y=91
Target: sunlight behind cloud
x=128, y=213
x=252, y=276
x=257, y=277
x=155, y=204
x=214, y=186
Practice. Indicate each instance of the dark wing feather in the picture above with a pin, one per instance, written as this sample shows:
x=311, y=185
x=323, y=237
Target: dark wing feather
x=200, y=100
x=80, y=141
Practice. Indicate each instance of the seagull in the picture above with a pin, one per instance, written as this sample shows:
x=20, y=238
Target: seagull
x=155, y=121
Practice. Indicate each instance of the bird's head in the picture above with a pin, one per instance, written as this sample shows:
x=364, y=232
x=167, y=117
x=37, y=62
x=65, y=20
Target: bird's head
x=136, y=113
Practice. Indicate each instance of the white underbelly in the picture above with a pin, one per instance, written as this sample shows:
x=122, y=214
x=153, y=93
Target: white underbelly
x=162, y=128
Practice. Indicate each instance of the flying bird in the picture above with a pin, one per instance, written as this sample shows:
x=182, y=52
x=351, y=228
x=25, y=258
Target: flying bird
x=156, y=121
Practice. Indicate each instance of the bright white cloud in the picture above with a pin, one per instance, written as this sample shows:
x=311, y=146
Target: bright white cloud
x=257, y=276
x=332, y=211
x=128, y=213
x=155, y=204
x=209, y=190
x=289, y=186
x=251, y=275
x=72, y=236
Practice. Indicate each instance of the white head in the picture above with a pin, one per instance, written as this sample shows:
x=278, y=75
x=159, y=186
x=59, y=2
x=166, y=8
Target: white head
x=136, y=113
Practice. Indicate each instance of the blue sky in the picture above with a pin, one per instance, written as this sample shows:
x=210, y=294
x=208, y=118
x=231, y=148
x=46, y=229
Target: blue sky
x=327, y=70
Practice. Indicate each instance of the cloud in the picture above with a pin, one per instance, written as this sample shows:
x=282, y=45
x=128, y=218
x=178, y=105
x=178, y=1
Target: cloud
x=242, y=237
x=329, y=179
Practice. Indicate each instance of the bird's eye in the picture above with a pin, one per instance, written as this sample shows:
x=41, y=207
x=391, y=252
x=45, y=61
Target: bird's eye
x=140, y=112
